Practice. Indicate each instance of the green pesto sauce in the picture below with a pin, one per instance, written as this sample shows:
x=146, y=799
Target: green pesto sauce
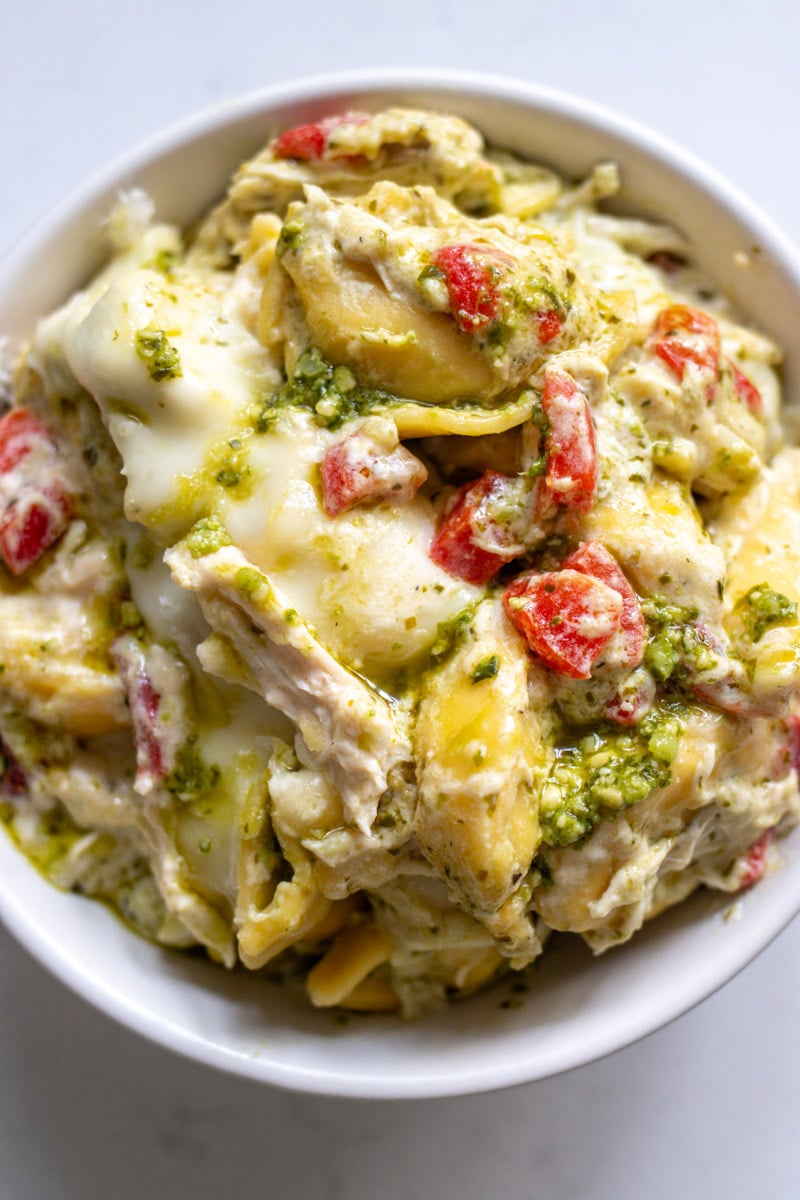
x=450, y=634
x=487, y=668
x=206, y=537
x=158, y=354
x=605, y=772
x=165, y=262
x=675, y=647
x=332, y=394
x=56, y=834
x=290, y=237
x=249, y=580
x=534, y=296
x=762, y=609
x=191, y=776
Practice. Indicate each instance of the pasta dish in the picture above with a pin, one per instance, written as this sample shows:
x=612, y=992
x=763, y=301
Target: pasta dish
x=397, y=566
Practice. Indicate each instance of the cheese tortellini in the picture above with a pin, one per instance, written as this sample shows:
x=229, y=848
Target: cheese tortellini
x=397, y=568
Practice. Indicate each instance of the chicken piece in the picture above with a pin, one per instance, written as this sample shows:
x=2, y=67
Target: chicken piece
x=345, y=729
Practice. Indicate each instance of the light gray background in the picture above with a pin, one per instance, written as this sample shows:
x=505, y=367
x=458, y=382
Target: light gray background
x=706, y=1108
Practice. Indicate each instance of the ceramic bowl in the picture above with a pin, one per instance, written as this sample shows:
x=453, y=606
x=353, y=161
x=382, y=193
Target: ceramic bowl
x=576, y=1008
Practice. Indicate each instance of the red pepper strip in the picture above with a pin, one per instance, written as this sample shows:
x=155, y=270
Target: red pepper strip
x=566, y=618
x=571, y=453
x=592, y=558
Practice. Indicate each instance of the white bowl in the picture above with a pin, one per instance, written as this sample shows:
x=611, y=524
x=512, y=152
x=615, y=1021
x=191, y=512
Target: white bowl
x=576, y=1008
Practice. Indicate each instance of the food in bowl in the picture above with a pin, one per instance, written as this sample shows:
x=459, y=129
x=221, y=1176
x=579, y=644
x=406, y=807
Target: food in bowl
x=398, y=566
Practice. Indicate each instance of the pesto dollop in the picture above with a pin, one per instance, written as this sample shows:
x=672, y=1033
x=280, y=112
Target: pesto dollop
x=677, y=648
x=762, y=608
x=331, y=393
x=605, y=772
x=158, y=354
x=207, y=536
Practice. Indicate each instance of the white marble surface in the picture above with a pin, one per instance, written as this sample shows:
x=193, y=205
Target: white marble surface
x=705, y=1108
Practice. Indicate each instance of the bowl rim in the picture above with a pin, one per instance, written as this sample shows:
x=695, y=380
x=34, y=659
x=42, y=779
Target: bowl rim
x=22, y=924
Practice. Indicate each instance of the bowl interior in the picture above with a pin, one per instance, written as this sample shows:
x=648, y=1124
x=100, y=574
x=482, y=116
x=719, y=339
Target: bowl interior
x=569, y=1008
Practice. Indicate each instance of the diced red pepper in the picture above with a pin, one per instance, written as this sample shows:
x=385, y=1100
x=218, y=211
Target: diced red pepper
x=31, y=524
x=747, y=391
x=359, y=470
x=755, y=863
x=571, y=453
x=471, y=274
x=684, y=336
x=35, y=507
x=20, y=433
x=550, y=325
x=455, y=549
x=566, y=618
x=309, y=142
x=592, y=558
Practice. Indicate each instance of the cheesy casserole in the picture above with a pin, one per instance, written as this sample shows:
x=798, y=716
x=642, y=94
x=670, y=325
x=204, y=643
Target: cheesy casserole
x=397, y=566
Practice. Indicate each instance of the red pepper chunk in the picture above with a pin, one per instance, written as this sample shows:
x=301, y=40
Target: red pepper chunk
x=471, y=274
x=35, y=507
x=308, y=143
x=684, y=336
x=592, y=558
x=566, y=618
x=20, y=432
x=359, y=470
x=550, y=325
x=455, y=548
x=30, y=525
x=755, y=862
x=747, y=391
x=571, y=453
